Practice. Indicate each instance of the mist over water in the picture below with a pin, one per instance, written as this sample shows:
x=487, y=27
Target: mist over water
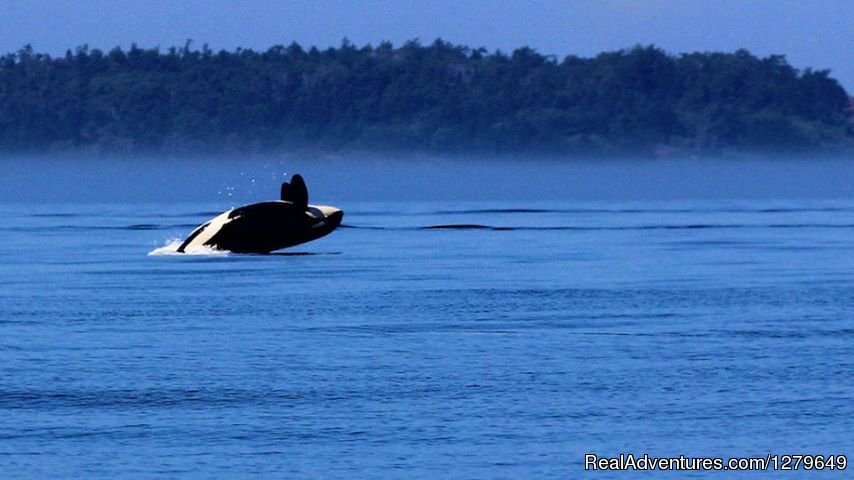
x=471, y=318
x=235, y=180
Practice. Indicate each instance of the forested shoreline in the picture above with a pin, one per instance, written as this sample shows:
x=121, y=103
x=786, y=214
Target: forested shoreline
x=440, y=97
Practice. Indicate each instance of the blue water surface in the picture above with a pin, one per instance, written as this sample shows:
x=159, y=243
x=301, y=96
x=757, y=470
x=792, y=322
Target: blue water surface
x=506, y=344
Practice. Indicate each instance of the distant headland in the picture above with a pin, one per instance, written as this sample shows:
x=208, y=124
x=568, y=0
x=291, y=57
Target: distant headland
x=439, y=98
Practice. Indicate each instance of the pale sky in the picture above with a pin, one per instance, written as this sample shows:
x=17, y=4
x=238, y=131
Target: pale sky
x=811, y=33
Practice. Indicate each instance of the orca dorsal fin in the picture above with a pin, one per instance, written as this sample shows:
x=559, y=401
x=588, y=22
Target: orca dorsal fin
x=295, y=192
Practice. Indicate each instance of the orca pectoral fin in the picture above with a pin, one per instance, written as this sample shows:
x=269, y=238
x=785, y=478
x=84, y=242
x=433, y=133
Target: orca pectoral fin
x=295, y=192
x=285, y=192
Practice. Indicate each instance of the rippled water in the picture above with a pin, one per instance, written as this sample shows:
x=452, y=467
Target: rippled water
x=426, y=340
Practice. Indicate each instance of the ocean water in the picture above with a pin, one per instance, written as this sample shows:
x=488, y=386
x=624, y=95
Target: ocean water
x=474, y=338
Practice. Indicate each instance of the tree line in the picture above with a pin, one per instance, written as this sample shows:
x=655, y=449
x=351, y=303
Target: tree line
x=439, y=97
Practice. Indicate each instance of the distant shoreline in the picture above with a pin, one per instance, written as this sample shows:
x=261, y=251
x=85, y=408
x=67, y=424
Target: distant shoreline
x=437, y=99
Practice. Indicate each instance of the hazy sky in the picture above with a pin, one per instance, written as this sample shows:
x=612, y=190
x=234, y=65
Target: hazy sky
x=811, y=33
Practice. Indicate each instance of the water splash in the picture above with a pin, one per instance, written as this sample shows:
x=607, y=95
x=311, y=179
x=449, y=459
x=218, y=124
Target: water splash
x=171, y=248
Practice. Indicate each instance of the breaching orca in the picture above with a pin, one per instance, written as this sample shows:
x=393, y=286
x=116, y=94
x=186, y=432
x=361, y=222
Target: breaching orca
x=267, y=226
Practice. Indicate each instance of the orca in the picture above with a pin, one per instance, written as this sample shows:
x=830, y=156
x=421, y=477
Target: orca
x=267, y=226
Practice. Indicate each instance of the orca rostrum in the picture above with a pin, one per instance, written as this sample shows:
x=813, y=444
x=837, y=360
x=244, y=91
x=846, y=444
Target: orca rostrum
x=267, y=226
